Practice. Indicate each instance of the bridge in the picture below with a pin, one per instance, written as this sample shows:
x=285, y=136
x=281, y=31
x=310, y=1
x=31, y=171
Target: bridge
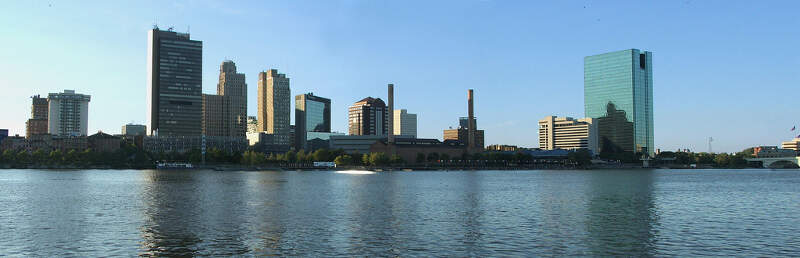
x=780, y=162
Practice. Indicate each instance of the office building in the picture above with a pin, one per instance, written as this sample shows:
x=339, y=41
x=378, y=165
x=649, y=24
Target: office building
x=794, y=144
x=405, y=123
x=233, y=88
x=174, y=83
x=502, y=148
x=252, y=124
x=618, y=93
x=773, y=152
x=274, y=103
x=213, y=123
x=134, y=129
x=68, y=113
x=568, y=134
x=368, y=116
x=311, y=114
x=37, y=124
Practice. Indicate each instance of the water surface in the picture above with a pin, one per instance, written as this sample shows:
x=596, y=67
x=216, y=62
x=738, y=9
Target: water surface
x=458, y=213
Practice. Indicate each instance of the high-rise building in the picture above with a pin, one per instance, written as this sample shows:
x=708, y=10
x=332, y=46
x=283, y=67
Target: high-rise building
x=568, y=133
x=134, y=129
x=174, y=83
x=405, y=123
x=252, y=124
x=213, y=115
x=368, y=116
x=618, y=92
x=311, y=114
x=225, y=114
x=68, y=113
x=274, y=103
x=37, y=124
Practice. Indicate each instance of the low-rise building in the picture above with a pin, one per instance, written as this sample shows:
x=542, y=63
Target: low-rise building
x=462, y=135
x=409, y=148
x=773, y=152
x=182, y=144
x=3, y=134
x=103, y=142
x=357, y=144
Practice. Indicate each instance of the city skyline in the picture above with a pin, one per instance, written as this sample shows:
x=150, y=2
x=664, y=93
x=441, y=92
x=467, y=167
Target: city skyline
x=520, y=71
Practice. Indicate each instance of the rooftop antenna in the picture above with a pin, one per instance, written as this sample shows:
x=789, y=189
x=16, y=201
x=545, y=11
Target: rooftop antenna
x=188, y=29
x=171, y=28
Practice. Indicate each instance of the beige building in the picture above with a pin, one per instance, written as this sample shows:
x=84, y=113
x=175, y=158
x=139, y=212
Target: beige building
x=225, y=114
x=405, y=123
x=252, y=124
x=568, y=133
x=274, y=103
x=462, y=135
x=794, y=144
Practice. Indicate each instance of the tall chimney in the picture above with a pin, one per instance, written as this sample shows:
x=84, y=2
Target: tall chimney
x=391, y=114
x=471, y=129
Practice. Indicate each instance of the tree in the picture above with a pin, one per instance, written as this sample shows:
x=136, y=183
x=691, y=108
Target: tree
x=38, y=157
x=322, y=155
x=396, y=160
x=343, y=160
x=290, y=156
x=365, y=159
x=378, y=159
x=581, y=157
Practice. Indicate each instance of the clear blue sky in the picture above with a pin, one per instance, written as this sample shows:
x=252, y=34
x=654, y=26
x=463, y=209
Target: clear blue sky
x=727, y=69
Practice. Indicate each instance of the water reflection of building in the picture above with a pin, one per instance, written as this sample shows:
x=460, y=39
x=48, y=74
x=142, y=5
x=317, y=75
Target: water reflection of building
x=621, y=214
x=622, y=80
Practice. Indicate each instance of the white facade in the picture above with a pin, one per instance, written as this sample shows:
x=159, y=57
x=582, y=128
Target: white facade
x=568, y=133
x=68, y=113
x=405, y=123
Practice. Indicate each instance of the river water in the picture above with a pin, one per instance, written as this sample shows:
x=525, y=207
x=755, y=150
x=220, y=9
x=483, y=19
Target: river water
x=447, y=213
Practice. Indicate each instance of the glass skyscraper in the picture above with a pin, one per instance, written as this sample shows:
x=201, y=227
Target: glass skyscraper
x=311, y=114
x=618, y=92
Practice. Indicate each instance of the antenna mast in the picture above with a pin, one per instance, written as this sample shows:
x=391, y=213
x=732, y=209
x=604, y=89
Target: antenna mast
x=710, y=139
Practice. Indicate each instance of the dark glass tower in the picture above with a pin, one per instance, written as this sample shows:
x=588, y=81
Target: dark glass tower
x=618, y=92
x=311, y=114
x=174, y=83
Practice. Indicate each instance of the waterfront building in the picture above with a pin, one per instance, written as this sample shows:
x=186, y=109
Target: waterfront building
x=405, y=123
x=772, y=152
x=408, y=148
x=37, y=124
x=274, y=103
x=568, y=133
x=68, y=113
x=618, y=93
x=312, y=114
x=357, y=144
x=463, y=122
x=503, y=148
x=469, y=133
x=252, y=124
x=794, y=144
x=368, y=116
x=134, y=129
x=182, y=144
x=174, y=83
x=264, y=142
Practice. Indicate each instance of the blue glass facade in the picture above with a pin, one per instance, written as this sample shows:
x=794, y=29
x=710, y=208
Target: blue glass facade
x=618, y=92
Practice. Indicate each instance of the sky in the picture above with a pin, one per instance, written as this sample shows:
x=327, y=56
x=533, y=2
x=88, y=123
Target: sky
x=722, y=69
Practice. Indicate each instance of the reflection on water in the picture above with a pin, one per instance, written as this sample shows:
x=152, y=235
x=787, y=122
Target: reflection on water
x=466, y=213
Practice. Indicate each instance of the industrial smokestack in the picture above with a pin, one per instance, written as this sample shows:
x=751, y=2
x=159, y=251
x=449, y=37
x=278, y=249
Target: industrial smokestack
x=471, y=129
x=391, y=113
